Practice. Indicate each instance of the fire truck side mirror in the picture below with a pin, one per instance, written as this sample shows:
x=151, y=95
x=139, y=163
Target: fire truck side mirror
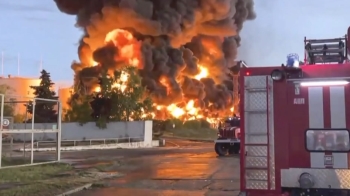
x=277, y=75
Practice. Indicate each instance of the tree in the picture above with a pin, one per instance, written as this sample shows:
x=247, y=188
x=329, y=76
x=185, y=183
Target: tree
x=122, y=98
x=44, y=110
x=129, y=100
x=101, y=101
x=79, y=108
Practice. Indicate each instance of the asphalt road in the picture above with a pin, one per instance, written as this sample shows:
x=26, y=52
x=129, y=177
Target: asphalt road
x=181, y=168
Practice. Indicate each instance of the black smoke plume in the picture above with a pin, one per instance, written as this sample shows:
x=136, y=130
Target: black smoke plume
x=176, y=36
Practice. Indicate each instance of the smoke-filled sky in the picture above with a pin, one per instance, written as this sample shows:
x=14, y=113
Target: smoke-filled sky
x=36, y=28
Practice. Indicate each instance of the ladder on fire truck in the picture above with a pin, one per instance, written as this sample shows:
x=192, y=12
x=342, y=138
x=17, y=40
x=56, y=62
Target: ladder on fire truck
x=324, y=51
x=258, y=133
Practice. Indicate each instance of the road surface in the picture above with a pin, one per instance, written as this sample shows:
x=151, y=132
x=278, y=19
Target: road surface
x=180, y=169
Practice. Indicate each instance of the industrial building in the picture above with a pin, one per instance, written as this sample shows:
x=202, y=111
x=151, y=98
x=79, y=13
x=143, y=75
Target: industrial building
x=18, y=91
x=63, y=95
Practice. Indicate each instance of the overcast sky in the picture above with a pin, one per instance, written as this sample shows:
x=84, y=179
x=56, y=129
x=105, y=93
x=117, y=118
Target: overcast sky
x=281, y=25
x=35, y=29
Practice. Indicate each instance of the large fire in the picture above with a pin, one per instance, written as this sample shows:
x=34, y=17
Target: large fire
x=183, y=49
x=129, y=52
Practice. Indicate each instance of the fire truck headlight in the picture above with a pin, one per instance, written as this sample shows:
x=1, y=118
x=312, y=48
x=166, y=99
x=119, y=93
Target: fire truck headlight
x=306, y=181
x=277, y=75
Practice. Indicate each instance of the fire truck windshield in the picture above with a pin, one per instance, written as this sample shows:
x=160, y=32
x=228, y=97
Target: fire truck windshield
x=320, y=140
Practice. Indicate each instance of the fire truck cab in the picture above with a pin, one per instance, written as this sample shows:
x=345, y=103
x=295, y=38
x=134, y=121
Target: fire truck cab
x=295, y=124
x=228, y=141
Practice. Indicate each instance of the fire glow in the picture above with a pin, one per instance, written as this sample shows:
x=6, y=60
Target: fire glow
x=128, y=52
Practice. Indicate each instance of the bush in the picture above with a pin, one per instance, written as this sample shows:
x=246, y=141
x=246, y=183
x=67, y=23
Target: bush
x=164, y=125
x=192, y=124
x=170, y=122
x=205, y=123
x=158, y=126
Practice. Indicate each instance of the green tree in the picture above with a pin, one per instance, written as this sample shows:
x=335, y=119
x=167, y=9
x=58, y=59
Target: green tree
x=44, y=110
x=8, y=107
x=79, y=109
x=123, y=97
x=129, y=100
x=101, y=101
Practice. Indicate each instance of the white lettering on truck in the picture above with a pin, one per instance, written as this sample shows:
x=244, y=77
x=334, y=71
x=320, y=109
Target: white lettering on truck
x=299, y=101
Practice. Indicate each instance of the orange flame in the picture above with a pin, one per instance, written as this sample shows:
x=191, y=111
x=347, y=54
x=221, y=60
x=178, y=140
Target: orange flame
x=130, y=52
x=129, y=47
x=203, y=72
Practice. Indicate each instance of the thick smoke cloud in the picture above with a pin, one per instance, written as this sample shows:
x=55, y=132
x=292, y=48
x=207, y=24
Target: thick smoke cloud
x=175, y=35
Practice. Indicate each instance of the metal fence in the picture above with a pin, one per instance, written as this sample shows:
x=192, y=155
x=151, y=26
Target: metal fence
x=87, y=142
x=7, y=132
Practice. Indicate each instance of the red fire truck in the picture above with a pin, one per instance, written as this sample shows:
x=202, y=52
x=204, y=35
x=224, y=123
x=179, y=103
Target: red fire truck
x=295, y=124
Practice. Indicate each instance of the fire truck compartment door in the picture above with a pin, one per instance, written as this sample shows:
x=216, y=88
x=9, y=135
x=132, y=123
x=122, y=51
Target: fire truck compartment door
x=327, y=110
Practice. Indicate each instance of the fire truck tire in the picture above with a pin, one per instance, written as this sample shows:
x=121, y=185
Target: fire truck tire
x=221, y=149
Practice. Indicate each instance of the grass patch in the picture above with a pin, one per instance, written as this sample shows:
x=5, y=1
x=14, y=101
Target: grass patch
x=39, y=180
x=203, y=133
x=15, y=161
x=32, y=173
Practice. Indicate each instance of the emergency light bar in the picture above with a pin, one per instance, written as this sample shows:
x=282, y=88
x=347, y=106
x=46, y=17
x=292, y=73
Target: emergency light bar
x=324, y=83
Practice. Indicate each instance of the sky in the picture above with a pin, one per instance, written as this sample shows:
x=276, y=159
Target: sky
x=36, y=30
x=281, y=25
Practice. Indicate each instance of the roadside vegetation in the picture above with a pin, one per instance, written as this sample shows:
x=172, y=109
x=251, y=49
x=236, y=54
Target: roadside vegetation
x=192, y=129
x=46, y=179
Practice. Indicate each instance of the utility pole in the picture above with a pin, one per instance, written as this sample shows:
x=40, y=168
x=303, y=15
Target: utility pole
x=2, y=63
x=18, y=66
x=41, y=64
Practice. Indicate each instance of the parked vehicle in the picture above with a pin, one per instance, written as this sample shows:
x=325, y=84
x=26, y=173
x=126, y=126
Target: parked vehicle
x=228, y=141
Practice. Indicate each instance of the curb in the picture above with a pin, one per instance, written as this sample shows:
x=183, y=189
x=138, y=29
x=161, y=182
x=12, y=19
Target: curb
x=190, y=139
x=198, y=140
x=87, y=186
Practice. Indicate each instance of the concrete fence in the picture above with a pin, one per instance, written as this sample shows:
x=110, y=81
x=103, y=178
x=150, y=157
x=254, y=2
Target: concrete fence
x=73, y=131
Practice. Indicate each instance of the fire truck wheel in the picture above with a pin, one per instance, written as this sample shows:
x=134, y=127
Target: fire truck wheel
x=221, y=149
